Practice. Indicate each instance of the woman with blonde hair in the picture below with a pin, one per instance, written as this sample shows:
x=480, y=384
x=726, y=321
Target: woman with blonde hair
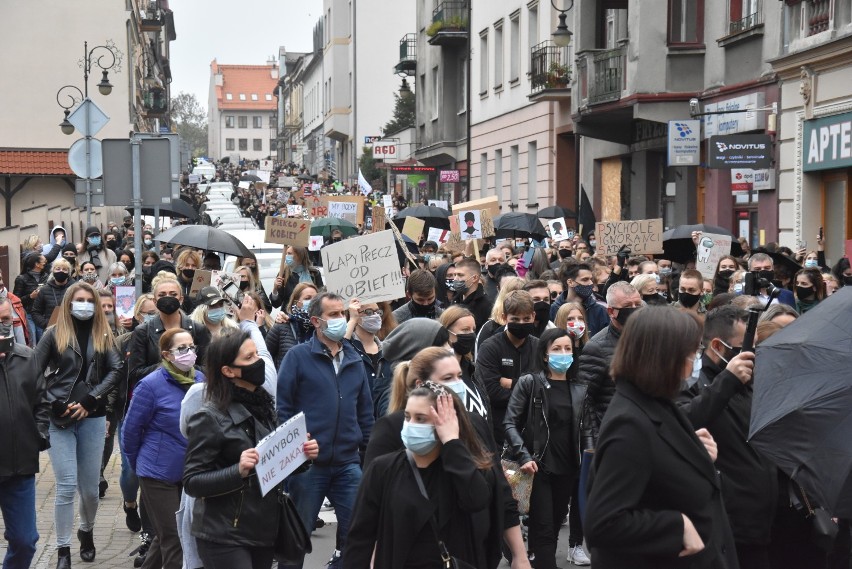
x=251, y=263
x=571, y=316
x=212, y=312
x=81, y=363
x=297, y=328
x=498, y=319
x=50, y=296
x=461, y=327
x=188, y=261
x=297, y=269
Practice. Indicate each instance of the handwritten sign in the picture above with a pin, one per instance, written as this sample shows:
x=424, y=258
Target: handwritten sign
x=194, y=179
x=364, y=267
x=281, y=452
x=316, y=243
x=200, y=279
x=711, y=249
x=438, y=235
x=125, y=299
x=347, y=210
x=287, y=231
x=294, y=211
x=413, y=228
x=439, y=203
x=490, y=203
x=379, y=218
x=640, y=236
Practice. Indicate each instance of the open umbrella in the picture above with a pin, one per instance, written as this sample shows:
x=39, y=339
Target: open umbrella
x=802, y=408
x=177, y=208
x=433, y=216
x=555, y=211
x=250, y=178
x=515, y=224
x=678, y=245
x=325, y=225
x=205, y=237
x=305, y=178
x=781, y=260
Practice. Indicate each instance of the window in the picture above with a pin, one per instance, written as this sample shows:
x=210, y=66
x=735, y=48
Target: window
x=463, y=84
x=532, y=27
x=686, y=22
x=498, y=176
x=483, y=173
x=744, y=15
x=242, y=96
x=483, y=63
x=229, y=121
x=229, y=144
x=257, y=122
x=436, y=93
x=257, y=144
x=244, y=144
x=269, y=96
x=242, y=122
x=498, y=55
x=254, y=96
x=513, y=175
x=229, y=97
x=515, y=47
x=532, y=173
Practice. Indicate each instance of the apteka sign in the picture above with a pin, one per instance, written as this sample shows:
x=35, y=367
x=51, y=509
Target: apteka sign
x=828, y=143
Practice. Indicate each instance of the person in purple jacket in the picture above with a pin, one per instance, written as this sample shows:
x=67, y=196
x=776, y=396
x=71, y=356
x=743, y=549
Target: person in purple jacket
x=154, y=445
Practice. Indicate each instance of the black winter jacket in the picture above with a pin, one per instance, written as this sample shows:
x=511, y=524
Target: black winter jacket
x=24, y=411
x=25, y=284
x=145, y=346
x=279, y=297
x=280, y=338
x=594, y=371
x=48, y=298
x=479, y=305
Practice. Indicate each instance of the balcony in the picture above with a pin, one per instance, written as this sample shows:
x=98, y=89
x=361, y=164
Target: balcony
x=747, y=22
x=818, y=17
x=550, y=72
x=602, y=75
x=407, y=55
x=449, y=25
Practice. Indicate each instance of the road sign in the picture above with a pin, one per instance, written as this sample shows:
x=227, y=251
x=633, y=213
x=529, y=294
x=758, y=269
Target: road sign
x=97, y=119
x=80, y=186
x=154, y=168
x=80, y=200
x=91, y=168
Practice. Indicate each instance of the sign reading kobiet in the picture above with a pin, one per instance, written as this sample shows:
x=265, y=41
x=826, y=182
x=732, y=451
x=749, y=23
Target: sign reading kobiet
x=287, y=231
x=365, y=268
x=640, y=236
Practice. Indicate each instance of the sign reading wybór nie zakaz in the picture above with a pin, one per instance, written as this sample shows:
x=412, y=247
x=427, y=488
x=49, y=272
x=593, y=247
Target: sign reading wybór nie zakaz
x=827, y=143
x=740, y=151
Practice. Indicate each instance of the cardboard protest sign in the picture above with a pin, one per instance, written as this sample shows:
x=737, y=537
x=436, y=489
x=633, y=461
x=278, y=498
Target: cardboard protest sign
x=200, y=280
x=487, y=223
x=711, y=248
x=294, y=211
x=287, y=231
x=558, y=229
x=379, y=218
x=344, y=210
x=438, y=235
x=413, y=228
x=439, y=203
x=316, y=243
x=489, y=203
x=286, y=182
x=387, y=200
x=641, y=236
x=472, y=224
x=364, y=267
x=281, y=452
x=125, y=299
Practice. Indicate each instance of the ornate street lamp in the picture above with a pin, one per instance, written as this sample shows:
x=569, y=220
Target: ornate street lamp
x=562, y=35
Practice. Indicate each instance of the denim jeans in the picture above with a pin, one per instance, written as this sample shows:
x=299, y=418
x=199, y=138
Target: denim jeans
x=17, y=502
x=35, y=331
x=127, y=480
x=75, y=455
x=339, y=483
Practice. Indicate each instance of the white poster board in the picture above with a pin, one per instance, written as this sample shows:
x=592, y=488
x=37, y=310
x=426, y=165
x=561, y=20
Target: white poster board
x=439, y=203
x=294, y=211
x=438, y=235
x=345, y=210
x=315, y=243
x=387, y=201
x=281, y=452
x=558, y=229
x=710, y=250
x=366, y=268
x=470, y=224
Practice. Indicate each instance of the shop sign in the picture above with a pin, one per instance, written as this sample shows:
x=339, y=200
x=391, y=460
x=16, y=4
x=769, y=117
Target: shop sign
x=449, y=176
x=740, y=150
x=746, y=179
x=684, y=145
x=827, y=143
x=734, y=122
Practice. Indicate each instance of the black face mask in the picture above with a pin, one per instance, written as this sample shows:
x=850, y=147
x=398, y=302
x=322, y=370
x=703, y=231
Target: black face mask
x=542, y=312
x=112, y=244
x=492, y=269
x=188, y=274
x=804, y=293
x=60, y=277
x=168, y=304
x=624, y=314
x=464, y=343
x=244, y=285
x=520, y=330
x=253, y=373
x=422, y=310
x=726, y=274
x=564, y=253
x=652, y=298
x=688, y=300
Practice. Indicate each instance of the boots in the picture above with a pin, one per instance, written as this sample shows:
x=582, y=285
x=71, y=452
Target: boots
x=64, y=559
x=87, y=545
x=146, y=539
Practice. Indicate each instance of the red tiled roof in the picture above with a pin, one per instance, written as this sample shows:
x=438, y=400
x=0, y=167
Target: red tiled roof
x=35, y=162
x=246, y=80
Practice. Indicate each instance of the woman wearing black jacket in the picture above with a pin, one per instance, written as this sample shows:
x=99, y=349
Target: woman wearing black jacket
x=234, y=525
x=82, y=365
x=50, y=295
x=26, y=288
x=297, y=269
x=297, y=329
x=544, y=422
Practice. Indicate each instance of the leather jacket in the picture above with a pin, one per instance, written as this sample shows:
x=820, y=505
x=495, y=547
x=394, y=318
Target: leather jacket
x=527, y=431
x=101, y=379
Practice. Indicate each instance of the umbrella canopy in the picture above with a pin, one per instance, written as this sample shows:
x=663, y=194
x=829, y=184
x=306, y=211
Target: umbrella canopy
x=678, y=245
x=781, y=260
x=555, y=211
x=305, y=178
x=433, y=216
x=177, y=208
x=515, y=224
x=800, y=416
x=205, y=237
x=250, y=178
x=325, y=225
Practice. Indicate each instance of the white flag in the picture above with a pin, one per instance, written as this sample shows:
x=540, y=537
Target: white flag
x=362, y=183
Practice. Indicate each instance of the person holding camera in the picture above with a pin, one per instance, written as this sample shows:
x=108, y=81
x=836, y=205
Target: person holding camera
x=82, y=364
x=763, y=266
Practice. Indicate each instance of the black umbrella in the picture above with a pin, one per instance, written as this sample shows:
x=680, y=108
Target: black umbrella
x=515, y=224
x=205, y=237
x=177, y=208
x=678, y=245
x=433, y=216
x=250, y=178
x=555, y=211
x=781, y=260
x=801, y=414
x=305, y=178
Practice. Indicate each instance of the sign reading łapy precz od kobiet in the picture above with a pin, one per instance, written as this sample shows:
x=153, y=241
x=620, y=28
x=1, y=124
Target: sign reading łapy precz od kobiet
x=640, y=236
x=281, y=452
x=366, y=268
x=287, y=231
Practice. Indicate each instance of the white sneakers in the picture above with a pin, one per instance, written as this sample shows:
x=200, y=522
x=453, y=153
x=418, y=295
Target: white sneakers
x=577, y=555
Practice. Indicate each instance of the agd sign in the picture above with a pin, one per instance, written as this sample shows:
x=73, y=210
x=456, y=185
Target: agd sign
x=386, y=149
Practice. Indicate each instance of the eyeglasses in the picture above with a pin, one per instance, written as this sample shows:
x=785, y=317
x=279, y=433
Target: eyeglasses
x=370, y=312
x=183, y=350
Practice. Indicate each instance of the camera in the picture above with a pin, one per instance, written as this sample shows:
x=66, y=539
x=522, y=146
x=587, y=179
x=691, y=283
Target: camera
x=694, y=107
x=755, y=282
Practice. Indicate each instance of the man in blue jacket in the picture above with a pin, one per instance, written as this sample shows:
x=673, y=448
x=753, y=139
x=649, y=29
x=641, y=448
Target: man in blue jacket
x=326, y=379
x=579, y=287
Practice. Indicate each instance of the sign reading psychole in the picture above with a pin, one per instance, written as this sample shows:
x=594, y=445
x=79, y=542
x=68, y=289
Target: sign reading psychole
x=827, y=143
x=640, y=236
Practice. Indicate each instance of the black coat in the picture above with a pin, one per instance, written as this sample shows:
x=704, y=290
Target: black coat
x=594, y=371
x=25, y=284
x=144, y=347
x=49, y=297
x=720, y=403
x=479, y=305
x=649, y=468
x=283, y=295
x=280, y=338
x=24, y=412
x=390, y=512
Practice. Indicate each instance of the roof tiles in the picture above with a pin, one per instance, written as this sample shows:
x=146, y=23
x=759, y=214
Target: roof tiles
x=247, y=80
x=35, y=162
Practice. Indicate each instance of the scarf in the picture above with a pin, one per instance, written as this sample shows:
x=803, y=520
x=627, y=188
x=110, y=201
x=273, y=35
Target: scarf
x=184, y=378
x=304, y=274
x=258, y=402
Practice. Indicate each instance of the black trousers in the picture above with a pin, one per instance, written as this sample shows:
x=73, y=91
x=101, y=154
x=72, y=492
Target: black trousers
x=218, y=556
x=162, y=500
x=548, y=506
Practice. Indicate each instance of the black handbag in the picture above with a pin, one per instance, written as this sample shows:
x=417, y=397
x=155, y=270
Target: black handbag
x=78, y=391
x=447, y=560
x=823, y=528
x=293, y=540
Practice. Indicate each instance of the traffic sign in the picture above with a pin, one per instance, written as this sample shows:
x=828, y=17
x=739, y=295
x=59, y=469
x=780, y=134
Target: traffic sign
x=88, y=111
x=91, y=168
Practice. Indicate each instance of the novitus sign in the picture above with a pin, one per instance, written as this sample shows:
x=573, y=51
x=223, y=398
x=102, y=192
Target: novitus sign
x=827, y=143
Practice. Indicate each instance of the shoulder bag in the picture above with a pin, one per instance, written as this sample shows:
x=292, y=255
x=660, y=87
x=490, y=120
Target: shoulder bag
x=823, y=528
x=292, y=541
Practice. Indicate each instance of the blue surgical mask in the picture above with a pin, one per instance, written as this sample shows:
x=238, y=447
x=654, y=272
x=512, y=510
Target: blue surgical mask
x=95, y=241
x=288, y=259
x=148, y=317
x=116, y=281
x=335, y=329
x=738, y=288
x=216, y=314
x=657, y=278
x=419, y=439
x=459, y=388
x=811, y=264
x=306, y=304
x=82, y=310
x=560, y=362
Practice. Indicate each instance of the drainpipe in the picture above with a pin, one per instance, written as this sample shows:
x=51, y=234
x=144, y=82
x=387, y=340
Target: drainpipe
x=469, y=86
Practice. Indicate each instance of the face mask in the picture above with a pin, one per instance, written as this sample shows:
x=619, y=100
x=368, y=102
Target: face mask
x=576, y=329
x=803, y=293
x=4, y=292
x=584, y=291
x=706, y=298
x=560, y=362
x=564, y=253
x=244, y=285
x=593, y=243
x=371, y=324
x=422, y=310
x=184, y=362
x=288, y=260
x=464, y=343
x=148, y=317
x=624, y=314
x=738, y=288
x=688, y=300
x=730, y=352
x=665, y=271
x=95, y=241
x=5, y=330
x=335, y=329
x=492, y=269
x=168, y=304
x=148, y=242
x=520, y=330
x=253, y=373
x=188, y=274
x=458, y=388
x=60, y=276
x=460, y=287
x=656, y=278
x=650, y=298
x=726, y=274
x=419, y=439
x=112, y=244
x=450, y=284
x=306, y=304
x=542, y=311
x=117, y=281
x=847, y=280
x=82, y=310
x=216, y=314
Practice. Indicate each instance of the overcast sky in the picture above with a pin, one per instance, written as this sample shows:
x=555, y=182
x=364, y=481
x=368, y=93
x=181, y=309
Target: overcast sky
x=246, y=32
